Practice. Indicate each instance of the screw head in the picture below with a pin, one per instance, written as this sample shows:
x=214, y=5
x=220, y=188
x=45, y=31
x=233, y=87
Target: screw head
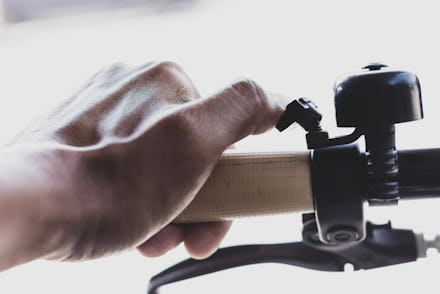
x=375, y=66
x=342, y=236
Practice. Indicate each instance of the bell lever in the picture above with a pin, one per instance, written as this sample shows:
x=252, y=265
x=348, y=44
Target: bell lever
x=304, y=112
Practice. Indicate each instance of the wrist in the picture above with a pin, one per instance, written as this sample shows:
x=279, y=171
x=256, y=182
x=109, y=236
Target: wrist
x=38, y=211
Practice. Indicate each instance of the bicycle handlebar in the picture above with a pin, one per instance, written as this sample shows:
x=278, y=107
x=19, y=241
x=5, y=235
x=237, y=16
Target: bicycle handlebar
x=256, y=184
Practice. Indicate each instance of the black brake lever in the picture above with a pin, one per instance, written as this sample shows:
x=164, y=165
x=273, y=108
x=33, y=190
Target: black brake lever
x=297, y=254
x=383, y=246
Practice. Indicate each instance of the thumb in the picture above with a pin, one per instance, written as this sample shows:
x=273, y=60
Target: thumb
x=241, y=109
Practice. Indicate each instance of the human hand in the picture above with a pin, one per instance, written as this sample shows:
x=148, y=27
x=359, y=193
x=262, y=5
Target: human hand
x=137, y=144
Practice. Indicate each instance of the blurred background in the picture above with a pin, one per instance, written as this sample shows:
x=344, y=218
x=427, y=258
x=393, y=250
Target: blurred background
x=48, y=48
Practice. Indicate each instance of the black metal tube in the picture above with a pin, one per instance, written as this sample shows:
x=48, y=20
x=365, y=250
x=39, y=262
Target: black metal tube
x=419, y=173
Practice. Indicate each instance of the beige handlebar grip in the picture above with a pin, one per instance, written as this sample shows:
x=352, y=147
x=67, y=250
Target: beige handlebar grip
x=253, y=184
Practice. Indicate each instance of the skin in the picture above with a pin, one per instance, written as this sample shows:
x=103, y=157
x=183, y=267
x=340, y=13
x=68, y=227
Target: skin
x=109, y=169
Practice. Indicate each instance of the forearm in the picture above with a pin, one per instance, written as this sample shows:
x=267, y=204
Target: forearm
x=34, y=207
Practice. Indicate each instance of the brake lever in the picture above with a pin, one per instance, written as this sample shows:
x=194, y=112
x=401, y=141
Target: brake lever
x=383, y=246
x=297, y=254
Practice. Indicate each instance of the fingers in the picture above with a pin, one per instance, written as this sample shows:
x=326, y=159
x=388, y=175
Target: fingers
x=202, y=240
x=235, y=112
x=165, y=240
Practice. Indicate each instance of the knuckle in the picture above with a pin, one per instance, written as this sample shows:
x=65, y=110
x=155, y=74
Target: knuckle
x=172, y=75
x=168, y=64
x=245, y=86
x=167, y=69
x=251, y=92
x=164, y=72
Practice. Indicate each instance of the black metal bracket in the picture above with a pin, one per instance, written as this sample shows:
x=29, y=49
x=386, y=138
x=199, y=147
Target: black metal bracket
x=338, y=180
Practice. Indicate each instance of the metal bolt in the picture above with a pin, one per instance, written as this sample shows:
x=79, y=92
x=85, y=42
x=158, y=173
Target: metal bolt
x=375, y=66
x=341, y=236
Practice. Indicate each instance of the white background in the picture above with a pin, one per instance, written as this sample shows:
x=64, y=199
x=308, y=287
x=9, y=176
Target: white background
x=297, y=48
